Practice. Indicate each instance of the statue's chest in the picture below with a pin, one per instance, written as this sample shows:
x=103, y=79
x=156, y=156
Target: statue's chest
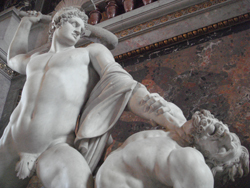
x=69, y=62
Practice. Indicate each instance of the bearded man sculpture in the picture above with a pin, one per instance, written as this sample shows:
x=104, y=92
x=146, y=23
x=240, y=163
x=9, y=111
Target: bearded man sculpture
x=165, y=159
x=43, y=134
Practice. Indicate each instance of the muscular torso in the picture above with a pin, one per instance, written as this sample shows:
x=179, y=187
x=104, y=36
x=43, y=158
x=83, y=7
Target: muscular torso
x=139, y=162
x=153, y=159
x=57, y=86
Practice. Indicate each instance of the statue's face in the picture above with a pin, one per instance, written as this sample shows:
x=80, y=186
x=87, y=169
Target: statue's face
x=216, y=141
x=70, y=32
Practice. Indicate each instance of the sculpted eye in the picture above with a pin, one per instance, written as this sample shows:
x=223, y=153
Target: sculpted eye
x=73, y=24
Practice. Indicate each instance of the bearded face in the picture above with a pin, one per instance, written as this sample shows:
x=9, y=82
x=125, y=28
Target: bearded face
x=214, y=140
x=221, y=148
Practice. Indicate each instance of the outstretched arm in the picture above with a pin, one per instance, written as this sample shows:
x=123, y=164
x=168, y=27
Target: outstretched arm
x=18, y=56
x=147, y=105
x=153, y=107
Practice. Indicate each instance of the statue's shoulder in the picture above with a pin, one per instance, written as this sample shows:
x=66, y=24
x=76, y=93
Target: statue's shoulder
x=96, y=47
x=187, y=158
x=187, y=168
x=186, y=154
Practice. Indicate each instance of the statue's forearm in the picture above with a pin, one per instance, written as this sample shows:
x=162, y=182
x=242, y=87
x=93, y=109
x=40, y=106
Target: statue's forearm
x=103, y=36
x=155, y=108
x=19, y=44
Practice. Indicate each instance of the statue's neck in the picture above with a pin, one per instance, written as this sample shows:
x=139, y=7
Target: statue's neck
x=58, y=45
x=182, y=135
x=55, y=48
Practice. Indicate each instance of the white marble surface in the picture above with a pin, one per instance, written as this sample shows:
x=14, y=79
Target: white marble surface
x=166, y=159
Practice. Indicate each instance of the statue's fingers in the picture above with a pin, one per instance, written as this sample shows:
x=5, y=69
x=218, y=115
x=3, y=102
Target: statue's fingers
x=162, y=110
x=148, y=104
x=156, y=96
x=144, y=100
x=155, y=106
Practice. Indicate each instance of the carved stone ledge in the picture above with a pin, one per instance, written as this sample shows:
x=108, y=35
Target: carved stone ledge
x=6, y=71
x=178, y=22
x=185, y=36
x=161, y=21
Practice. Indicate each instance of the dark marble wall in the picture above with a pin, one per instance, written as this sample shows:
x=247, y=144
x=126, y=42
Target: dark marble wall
x=5, y=85
x=11, y=101
x=210, y=72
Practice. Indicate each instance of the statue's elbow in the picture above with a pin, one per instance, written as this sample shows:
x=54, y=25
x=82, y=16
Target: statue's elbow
x=112, y=43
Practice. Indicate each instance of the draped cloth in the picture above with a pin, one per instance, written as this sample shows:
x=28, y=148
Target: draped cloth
x=106, y=103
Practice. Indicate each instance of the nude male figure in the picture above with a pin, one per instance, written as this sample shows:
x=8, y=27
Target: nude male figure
x=41, y=133
x=165, y=159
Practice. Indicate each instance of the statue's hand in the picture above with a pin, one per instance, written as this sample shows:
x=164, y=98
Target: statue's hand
x=87, y=31
x=159, y=109
x=37, y=16
x=155, y=103
x=32, y=16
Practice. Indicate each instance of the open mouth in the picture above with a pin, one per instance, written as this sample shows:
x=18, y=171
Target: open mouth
x=214, y=131
x=218, y=131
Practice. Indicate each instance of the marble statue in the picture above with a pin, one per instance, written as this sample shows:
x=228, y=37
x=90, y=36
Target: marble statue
x=72, y=97
x=190, y=156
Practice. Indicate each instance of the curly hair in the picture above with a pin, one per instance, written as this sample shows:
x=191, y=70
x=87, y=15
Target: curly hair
x=63, y=16
x=230, y=169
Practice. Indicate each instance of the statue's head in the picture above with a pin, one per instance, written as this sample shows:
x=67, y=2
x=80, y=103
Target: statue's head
x=64, y=15
x=222, y=149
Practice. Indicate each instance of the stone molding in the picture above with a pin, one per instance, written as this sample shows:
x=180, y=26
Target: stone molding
x=186, y=36
x=175, y=16
x=6, y=71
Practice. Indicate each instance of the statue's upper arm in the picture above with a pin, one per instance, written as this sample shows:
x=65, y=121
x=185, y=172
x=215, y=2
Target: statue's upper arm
x=188, y=169
x=19, y=63
x=100, y=57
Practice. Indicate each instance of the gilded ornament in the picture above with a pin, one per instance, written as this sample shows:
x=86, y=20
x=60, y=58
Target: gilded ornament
x=150, y=24
x=178, y=14
x=225, y=23
x=185, y=35
x=215, y=26
x=190, y=34
x=137, y=28
x=207, y=4
x=220, y=24
x=164, y=19
x=236, y=19
x=246, y=16
x=124, y=33
x=204, y=29
x=165, y=41
x=192, y=9
x=200, y=31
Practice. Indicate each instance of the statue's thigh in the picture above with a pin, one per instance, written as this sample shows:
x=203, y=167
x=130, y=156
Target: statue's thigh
x=64, y=167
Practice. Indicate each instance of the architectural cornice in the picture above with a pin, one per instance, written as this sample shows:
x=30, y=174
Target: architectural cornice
x=6, y=71
x=172, y=11
x=185, y=36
